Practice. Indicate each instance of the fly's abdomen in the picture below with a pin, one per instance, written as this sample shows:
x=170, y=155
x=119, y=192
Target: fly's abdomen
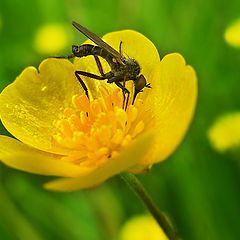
x=88, y=49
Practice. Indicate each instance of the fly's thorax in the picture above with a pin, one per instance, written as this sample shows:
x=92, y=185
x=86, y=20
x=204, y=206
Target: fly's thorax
x=131, y=68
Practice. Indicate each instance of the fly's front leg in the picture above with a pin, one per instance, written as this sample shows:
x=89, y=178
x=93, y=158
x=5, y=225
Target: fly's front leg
x=124, y=83
x=82, y=83
x=125, y=91
x=86, y=74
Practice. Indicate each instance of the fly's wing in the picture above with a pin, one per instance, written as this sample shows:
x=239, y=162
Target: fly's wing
x=98, y=41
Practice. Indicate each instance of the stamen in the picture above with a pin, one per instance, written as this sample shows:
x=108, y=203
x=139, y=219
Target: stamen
x=132, y=113
x=117, y=137
x=81, y=103
x=75, y=123
x=64, y=127
x=98, y=130
x=68, y=112
x=138, y=129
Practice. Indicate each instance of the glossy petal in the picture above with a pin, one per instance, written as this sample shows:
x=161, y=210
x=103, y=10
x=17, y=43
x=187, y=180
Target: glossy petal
x=31, y=103
x=172, y=100
x=20, y=156
x=127, y=158
x=134, y=45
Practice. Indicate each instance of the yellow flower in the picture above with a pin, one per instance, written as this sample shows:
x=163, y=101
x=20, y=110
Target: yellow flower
x=142, y=227
x=52, y=38
x=225, y=132
x=232, y=34
x=62, y=133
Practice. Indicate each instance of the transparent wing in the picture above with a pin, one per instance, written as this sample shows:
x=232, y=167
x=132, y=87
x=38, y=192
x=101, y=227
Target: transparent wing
x=98, y=41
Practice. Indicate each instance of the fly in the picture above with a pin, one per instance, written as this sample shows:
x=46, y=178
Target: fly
x=122, y=69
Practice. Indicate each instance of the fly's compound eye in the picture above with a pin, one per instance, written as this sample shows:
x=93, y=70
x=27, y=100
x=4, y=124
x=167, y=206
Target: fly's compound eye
x=140, y=83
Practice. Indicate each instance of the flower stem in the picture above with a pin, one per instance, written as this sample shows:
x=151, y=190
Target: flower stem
x=135, y=185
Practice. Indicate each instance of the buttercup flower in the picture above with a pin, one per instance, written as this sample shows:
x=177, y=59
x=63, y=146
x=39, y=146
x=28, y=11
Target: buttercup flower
x=224, y=134
x=232, y=34
x=85, y=141
x=52, y=38
x=142, y=227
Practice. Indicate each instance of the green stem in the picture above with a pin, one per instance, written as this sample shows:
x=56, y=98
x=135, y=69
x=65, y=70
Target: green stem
x=134, y=184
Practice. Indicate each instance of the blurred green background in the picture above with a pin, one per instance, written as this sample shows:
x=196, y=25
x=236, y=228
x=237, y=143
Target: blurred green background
x=196, y=187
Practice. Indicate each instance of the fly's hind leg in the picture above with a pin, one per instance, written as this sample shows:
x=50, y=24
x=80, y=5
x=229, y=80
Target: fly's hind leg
x=86, y=74
x=125, y=91
x=99, y=64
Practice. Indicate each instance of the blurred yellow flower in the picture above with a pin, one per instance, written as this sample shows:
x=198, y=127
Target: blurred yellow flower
x=63, y=133
x=232, y=34
x=52, y=38
x=225, y=132
x=142, y=227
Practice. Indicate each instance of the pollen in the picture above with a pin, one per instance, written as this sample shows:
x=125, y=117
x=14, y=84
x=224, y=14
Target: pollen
x=97, y=130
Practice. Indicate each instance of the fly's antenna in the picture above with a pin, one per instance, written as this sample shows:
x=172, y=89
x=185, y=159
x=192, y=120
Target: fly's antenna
x=120, y=47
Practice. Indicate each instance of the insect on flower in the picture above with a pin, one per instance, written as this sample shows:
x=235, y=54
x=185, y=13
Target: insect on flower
x=61, y=132
x=122, y=69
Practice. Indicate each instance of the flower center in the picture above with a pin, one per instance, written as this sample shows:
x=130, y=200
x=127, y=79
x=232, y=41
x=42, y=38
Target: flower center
x=97, y=130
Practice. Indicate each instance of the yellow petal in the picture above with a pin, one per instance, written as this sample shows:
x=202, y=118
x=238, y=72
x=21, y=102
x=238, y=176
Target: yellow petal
x=128, y=158
x=172, y=101
x=20, y=156
x=31, y=103
x=142, y=227
x=134, y=45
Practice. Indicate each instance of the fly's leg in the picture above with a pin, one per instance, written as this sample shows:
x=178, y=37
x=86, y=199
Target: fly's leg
x=135, y=95
x=108, y=75
x=99, y=65
x=86, y=74
x=125, y=91
x=124, y=84
x=82, y=83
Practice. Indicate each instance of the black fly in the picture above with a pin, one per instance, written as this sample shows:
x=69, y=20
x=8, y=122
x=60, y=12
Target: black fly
x=122, y=69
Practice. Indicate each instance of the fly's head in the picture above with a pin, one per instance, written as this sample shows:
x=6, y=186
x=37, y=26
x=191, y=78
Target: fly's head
x=140, y=83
